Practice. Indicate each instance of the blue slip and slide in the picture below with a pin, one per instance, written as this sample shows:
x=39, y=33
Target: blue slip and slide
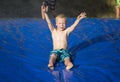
x=25, y=45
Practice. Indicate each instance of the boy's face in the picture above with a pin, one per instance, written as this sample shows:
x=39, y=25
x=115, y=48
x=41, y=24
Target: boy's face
x=61, y=24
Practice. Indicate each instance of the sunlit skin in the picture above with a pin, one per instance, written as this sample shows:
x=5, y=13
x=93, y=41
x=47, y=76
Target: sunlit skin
x=117, y=8
x=60, y=36
x=61, y=24
x=43, y=6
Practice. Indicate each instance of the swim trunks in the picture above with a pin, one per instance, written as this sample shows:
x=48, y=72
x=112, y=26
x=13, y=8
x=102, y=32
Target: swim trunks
x=118, y=2
x=61, y=54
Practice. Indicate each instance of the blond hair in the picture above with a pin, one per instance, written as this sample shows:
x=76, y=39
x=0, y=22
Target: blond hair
x=60, y=16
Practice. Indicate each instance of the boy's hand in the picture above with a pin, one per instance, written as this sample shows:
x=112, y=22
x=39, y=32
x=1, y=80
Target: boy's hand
x=43, y=9
x=81, y=16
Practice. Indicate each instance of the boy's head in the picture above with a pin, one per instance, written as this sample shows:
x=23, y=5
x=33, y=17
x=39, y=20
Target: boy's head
x=61, y=22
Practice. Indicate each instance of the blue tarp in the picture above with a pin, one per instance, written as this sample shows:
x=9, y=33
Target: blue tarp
x=25, y=45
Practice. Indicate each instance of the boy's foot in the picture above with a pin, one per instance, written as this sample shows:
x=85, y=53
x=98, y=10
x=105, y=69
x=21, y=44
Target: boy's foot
x=51, y=67
x=69, y=67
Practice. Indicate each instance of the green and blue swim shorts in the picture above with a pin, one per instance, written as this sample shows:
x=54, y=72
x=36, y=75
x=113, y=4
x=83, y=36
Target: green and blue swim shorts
x=61, y=54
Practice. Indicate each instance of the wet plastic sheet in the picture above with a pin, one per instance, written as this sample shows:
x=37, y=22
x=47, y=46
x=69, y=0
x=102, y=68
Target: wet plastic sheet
x=25, y=45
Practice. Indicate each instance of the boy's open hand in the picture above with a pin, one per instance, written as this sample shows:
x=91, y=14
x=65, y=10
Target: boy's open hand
x=82, y=15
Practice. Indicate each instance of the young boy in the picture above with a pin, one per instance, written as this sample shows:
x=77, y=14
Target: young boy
x=117, y=8
x=59, y=37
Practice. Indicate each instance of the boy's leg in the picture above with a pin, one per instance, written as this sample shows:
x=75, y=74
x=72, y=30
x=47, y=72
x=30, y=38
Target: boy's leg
x=52, y=61
x=68, y=63
x=117, y=8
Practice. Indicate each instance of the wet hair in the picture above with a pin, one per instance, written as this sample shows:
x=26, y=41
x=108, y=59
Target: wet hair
x=60, y=16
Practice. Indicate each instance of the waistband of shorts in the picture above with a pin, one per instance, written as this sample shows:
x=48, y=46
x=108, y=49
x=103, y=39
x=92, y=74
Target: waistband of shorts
x=60, y=49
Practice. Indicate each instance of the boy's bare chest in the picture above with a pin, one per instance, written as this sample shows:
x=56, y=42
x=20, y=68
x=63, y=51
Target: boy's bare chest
x=59, y=35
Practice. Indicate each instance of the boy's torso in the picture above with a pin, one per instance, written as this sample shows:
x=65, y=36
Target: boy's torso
x=59, y=39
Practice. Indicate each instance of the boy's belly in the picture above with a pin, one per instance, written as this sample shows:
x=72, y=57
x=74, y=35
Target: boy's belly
x=59, y=45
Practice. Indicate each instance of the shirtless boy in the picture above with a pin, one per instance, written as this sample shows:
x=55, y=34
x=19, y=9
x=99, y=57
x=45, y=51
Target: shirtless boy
x=59, y=37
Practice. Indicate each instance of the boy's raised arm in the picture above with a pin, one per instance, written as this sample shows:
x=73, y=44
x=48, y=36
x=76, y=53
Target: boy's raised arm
x=50, y=25
x=80, y=17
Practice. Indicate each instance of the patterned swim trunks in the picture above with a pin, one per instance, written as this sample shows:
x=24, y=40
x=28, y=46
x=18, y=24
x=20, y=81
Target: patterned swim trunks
x=61, y=54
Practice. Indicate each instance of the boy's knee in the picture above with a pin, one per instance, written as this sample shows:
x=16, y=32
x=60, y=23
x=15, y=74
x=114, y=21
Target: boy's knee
x=53, y=55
